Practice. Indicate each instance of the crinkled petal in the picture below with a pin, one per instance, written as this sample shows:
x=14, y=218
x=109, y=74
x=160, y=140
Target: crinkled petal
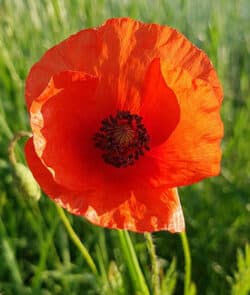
x=160, y=109
x=192, y=152
x=63, y=119
x=139, y=211
x=101, y=52
x=146, y=211
x=41, y=173
x=119, y=53
x=177, y=50
x=79, y=52
x=179, y=161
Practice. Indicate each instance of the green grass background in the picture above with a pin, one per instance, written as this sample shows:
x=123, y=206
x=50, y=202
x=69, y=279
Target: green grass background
x=36, y=255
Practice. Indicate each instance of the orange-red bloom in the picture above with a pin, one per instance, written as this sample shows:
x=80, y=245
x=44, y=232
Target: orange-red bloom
x=121, y=115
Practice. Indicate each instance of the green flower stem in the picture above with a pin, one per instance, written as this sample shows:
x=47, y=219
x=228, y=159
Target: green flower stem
x=12, y=144
x=132, y=262
x=155, y=264
x=74, y=237
x=187, y=257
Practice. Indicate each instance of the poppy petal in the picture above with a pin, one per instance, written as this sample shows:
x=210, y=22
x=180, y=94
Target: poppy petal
x=40, y=172
x=68, y=55
x=150, y=41
x=159, y=104
x=45, y=179
x=141, y=211
x=192, y=152
x=63, y=119
x=177, y=50
x=119, y=53
x=148, y=211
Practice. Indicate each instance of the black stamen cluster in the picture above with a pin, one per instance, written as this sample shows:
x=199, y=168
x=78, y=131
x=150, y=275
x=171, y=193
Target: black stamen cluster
x=123, y=138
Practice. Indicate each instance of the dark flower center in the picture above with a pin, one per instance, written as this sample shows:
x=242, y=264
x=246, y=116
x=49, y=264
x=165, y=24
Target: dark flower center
x=123, y=138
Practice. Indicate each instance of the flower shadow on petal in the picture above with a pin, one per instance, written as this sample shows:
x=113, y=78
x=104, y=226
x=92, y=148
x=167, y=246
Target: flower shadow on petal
x=160, y=108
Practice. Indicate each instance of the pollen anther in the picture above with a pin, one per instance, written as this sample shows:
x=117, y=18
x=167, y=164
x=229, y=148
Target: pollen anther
x=123, y=138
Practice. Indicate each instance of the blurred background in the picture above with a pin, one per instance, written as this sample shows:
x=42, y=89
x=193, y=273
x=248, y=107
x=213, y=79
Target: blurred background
x=36, y=254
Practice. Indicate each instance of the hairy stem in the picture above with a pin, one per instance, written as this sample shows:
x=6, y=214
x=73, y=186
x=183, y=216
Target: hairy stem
x=132, y=263
x=155, y=264
x=187, y=257
x=12, y=144
x=75, y=239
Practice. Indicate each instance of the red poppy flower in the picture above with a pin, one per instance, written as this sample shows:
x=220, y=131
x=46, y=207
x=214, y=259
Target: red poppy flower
x=122, y=115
